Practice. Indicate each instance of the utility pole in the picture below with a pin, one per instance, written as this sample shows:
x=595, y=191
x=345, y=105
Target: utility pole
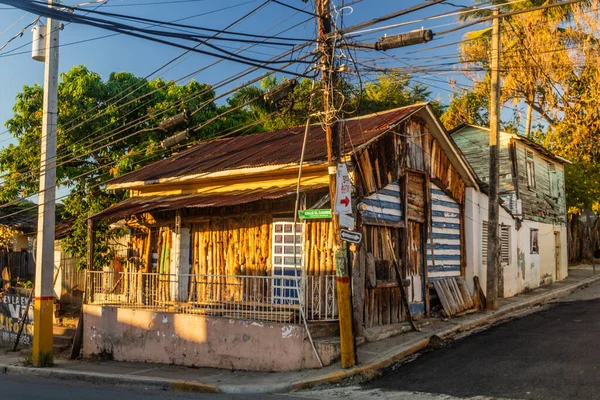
x=43, y=339
x=493, y=244
x=328, y=81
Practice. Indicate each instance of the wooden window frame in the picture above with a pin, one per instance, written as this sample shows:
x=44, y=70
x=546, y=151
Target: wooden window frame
x=534, y=241
x=530, y=169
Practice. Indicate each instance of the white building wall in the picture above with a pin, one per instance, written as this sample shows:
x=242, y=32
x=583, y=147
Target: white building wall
x=525, y=270
x=476, y=212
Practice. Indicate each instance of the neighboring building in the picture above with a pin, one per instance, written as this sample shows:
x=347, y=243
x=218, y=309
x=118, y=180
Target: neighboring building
x=532, y=191
x=218, y=275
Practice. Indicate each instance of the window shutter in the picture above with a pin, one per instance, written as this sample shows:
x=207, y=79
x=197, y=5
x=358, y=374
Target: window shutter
x=505, y=244
x=484, y=241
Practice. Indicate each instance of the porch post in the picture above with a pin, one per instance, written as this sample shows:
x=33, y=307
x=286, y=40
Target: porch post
x=180, y=262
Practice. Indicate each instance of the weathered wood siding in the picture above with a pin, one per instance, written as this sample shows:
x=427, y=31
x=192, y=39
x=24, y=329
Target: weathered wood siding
x=394, y=176
x=443, y=247
x=539, y=203
x=474, y=143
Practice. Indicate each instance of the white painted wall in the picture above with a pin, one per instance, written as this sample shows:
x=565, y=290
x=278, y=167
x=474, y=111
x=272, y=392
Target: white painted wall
x=525, y=270
x=476, y=211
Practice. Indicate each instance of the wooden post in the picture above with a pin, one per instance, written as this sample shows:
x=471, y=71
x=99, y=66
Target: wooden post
x=91, y=234
x=333, y=157
x=493, y=264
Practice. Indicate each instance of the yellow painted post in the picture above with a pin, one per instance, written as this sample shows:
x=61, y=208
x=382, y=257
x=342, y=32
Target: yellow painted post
x=345, y=315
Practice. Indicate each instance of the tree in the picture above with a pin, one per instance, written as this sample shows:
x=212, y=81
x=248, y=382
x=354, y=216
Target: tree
x=387, y=91
x=105, y=128
x=550, y=63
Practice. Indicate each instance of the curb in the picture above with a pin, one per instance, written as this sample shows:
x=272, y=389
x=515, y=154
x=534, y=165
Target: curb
x=369, y=370
x=110, y=379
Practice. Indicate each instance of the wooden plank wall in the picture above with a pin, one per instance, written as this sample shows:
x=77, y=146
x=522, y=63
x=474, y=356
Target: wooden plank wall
x=418, y=159
x=233, y=246
x=319, y=248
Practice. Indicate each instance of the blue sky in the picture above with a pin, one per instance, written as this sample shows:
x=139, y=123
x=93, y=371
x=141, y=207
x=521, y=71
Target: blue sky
x=123, y=53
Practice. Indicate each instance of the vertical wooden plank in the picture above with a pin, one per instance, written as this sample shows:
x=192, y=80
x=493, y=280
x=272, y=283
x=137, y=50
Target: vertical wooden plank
x=427, y=232
x=358, y=289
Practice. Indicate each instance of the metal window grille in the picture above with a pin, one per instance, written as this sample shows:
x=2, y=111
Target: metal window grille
x=288, y=253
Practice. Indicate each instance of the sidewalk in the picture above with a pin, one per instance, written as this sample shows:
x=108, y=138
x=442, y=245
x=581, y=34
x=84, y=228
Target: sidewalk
x=373, y=356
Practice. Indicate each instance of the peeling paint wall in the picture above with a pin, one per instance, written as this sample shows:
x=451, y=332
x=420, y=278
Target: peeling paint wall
x=526, y=270
x=195, y=340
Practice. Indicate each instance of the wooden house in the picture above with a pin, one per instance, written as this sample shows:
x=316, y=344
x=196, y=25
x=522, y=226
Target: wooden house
x=213, y=243
x=532, y=191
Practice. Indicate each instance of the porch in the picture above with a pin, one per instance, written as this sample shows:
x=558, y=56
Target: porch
x=285, y=299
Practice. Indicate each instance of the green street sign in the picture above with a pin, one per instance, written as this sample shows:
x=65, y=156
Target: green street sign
x=314, y=214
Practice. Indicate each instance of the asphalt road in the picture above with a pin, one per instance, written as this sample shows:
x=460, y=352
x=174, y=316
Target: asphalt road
x=552, y=354
x=17, y=387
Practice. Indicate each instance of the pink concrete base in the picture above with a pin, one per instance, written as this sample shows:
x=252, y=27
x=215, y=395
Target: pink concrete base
x=195, y=340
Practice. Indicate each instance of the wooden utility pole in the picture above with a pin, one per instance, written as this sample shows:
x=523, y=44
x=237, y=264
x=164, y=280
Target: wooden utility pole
x=328, y=81
x=493, y=244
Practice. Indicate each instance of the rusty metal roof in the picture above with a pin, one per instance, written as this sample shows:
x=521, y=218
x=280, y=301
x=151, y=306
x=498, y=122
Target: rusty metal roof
x=265, y=149
x=137, y=205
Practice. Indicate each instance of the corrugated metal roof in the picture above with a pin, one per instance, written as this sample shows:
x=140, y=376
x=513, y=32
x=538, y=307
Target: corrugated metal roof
x=137, y=205
x=264, y=149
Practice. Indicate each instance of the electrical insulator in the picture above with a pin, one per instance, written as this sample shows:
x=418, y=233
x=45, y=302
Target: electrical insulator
x=280, y=91
x=175, y=121
x=404, y=39
x=175, y=139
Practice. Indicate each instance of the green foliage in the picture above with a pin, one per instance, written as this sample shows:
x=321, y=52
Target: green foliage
x=117, y=135
x=388, y=91
x=467, y=107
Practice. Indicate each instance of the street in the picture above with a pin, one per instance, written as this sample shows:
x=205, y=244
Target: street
x=551, y=354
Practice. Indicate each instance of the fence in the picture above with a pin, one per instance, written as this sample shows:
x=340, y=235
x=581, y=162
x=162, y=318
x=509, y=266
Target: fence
x=72, y=281
x=261, y=298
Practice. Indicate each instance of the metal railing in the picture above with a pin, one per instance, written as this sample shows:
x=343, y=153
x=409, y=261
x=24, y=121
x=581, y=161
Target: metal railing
x=260, y=298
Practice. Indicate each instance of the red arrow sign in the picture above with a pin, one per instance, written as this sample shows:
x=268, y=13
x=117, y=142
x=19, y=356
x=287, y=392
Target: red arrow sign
x=345, y=201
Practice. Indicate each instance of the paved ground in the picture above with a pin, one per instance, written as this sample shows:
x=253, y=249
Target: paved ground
x=551, y=354
x=34, y=388
x=546, y=355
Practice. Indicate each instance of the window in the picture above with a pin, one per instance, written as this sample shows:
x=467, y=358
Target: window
x=484, y=237
x=288, y=250
x=504, y=244
x=552, y=180
x=533, y=240
x=530, y=170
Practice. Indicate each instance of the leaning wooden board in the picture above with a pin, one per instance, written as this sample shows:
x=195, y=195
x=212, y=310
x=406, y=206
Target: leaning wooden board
x=454, y=295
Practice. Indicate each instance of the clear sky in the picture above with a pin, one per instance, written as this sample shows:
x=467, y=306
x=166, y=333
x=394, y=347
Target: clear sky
x=123, y=53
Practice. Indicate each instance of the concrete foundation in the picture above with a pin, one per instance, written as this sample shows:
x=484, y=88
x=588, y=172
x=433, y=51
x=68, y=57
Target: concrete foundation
x=196, y=340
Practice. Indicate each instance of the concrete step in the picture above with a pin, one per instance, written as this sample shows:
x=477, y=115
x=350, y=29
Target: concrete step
x=329, y=348
x=58, y=349
x=324, y=329
x=64, y=331
x=62, y=340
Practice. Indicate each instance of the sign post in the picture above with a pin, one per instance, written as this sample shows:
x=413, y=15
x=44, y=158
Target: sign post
x=324, y=213
x=343, y=191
